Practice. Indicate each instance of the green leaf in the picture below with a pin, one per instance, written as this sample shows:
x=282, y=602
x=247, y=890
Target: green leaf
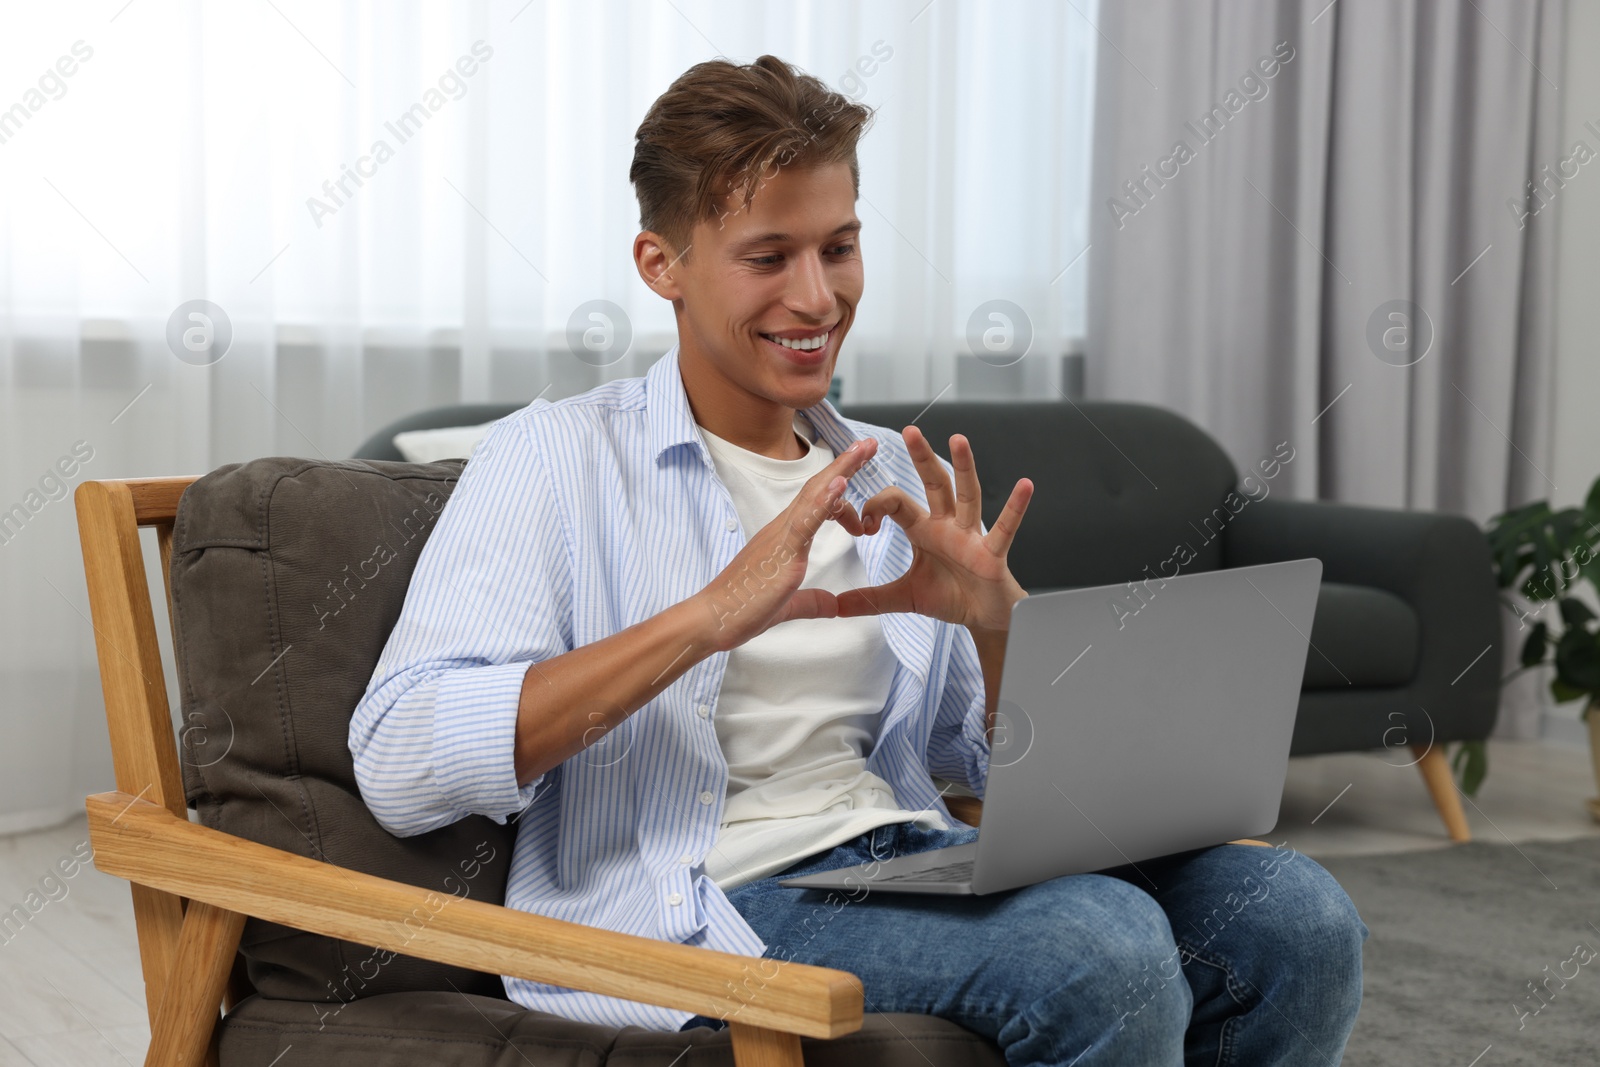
x=1564, y=529
x=1578, y=660
x=1510, y=534
x=1533, y=649
x=1514, y=523
x=1591, y=569
x=1543, y=583
x=1592, y=502
x=1519, y=559
x=1471, y=764
x=1575, y=612
x=1562, y=692
x=1516, y=562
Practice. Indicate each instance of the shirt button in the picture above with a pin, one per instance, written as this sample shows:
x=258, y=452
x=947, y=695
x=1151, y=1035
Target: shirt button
x=675, y=899
x=686, y=858
x=706, y=797
x=703, y=711
x=733, y=524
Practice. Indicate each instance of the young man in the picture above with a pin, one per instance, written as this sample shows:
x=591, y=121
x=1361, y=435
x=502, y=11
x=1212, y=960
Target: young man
x=698, y=630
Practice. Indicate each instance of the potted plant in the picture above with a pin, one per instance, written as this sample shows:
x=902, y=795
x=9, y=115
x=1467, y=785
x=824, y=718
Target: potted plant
x=1547, y=556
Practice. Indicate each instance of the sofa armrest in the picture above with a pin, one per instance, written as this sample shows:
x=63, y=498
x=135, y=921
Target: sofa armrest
x=1437, y=563
x=150, y=846
x=1416, y=555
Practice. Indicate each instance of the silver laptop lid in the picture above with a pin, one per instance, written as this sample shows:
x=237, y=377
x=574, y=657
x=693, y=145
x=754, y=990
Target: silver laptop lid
x=1203, y=672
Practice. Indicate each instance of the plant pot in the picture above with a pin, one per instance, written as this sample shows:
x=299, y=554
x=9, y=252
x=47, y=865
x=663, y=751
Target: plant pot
x=1591, y=715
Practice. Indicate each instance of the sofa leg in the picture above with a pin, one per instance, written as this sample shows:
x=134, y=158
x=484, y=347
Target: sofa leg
x=756, y=1047
x=1442, y=787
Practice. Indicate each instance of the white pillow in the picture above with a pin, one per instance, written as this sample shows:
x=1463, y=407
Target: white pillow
x=450, y=442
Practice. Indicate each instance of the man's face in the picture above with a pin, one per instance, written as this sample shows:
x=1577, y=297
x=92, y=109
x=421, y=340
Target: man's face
x=789, y=265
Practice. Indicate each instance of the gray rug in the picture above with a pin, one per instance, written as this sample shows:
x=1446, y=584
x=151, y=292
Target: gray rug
x=1457, y=935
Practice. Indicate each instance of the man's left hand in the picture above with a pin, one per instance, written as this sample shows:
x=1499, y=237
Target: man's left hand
x=958, y=573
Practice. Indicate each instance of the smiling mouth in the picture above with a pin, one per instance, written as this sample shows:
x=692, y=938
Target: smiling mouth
x=803, y=344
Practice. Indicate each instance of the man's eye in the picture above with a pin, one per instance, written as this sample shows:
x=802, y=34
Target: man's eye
x=764, y=261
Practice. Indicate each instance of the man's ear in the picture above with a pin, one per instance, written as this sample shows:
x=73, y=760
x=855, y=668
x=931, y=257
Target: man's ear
x=656, y=262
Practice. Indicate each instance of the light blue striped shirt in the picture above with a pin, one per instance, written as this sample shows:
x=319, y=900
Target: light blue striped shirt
x=574, y=520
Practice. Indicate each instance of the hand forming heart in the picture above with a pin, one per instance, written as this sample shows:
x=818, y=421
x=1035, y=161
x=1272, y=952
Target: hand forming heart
x=958, y=573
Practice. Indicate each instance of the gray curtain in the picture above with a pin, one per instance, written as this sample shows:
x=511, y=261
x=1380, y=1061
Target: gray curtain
x=1333, y=225
x=1250, y=252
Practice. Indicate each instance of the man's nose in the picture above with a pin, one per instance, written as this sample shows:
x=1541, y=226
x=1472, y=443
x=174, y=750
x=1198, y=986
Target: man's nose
x=809, y=291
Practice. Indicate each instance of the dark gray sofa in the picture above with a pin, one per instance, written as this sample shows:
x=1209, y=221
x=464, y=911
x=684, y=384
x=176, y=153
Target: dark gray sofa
x=1407, y=628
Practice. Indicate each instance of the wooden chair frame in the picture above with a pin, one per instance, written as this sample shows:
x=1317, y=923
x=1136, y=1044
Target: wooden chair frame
x=193, y=887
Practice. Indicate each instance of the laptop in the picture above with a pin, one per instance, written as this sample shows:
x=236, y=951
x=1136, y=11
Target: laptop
x=1134, y=721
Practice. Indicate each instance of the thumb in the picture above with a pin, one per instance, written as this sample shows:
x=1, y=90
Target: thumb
x=808, y=604
x=877, y=599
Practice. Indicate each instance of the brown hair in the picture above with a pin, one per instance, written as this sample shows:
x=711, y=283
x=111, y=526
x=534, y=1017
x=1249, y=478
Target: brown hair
x=721, y=125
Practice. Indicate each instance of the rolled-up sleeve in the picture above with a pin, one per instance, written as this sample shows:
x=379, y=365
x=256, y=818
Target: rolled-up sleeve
x=433, y=738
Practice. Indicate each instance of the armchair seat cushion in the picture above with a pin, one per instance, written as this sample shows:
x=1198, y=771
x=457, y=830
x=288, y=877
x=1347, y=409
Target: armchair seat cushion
x=1362, y=637
x=462, y=1030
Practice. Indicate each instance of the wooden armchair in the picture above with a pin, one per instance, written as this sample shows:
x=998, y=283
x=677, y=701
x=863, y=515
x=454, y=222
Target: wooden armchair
x=193, y=887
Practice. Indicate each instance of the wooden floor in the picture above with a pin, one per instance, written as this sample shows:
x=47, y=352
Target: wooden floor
x=70, y=990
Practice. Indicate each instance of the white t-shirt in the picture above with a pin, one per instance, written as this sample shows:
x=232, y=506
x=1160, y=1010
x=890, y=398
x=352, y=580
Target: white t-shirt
x=800, y=704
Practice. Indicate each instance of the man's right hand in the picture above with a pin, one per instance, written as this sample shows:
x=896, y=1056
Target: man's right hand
x=760, y=588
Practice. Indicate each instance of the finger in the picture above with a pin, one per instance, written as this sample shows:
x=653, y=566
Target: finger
x=810, y=603
x=815, y=502
x=858, y=455
x=803, y=522
x=844, y=513
x=1005, y=526
x=877, y=599
x=969, y=495
x=936, y=483
x=893, y=502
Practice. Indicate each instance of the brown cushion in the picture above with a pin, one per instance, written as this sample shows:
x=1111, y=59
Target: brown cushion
x=447, y=1030
x=283, y=595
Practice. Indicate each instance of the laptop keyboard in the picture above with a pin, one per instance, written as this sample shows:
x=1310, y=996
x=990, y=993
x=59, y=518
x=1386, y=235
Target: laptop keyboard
x=960, y=871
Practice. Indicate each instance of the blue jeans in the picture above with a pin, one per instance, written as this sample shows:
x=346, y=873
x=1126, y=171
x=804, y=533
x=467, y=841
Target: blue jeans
x=1085, y=969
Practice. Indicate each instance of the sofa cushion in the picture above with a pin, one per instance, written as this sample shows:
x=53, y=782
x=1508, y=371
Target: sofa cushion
x=1361, y=636
x=448, y=1030
x=287, y=576
x=444, y=442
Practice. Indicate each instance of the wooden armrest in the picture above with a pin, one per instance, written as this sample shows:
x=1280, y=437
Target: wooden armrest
x=968, y=809
x=149, y=845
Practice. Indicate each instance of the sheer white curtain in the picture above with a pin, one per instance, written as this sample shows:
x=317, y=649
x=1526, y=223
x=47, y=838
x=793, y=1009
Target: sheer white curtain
x=401, y=205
